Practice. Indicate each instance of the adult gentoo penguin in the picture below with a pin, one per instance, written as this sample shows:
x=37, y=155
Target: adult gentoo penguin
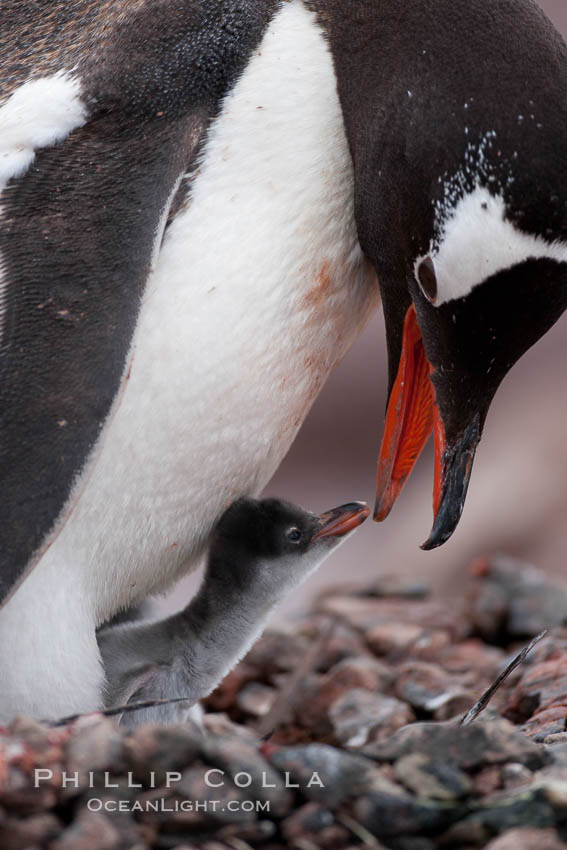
x=259, y=552
x=197, y=201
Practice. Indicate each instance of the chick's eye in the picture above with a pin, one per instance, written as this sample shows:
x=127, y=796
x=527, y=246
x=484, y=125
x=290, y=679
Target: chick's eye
x=294, y=534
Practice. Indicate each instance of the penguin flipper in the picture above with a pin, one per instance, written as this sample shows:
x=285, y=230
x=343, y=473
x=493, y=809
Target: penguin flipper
x=78, y=232
x=143, y=663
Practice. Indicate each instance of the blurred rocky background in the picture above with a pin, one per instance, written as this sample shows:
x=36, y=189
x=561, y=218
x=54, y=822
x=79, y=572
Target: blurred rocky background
x=346, y=730
x=517, y=500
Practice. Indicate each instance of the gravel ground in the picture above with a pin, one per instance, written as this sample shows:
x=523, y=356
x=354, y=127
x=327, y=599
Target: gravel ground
x=344, y=732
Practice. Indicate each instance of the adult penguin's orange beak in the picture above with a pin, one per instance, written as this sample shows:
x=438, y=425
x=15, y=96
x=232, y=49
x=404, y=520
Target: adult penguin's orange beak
x=411, y=417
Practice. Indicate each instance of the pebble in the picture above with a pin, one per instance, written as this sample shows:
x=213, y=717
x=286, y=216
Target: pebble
x=431, y=644
x=224, y=696
x=424, y=685
x=472, y=655
x=364, y=672
x=277, y=652
x=35, y=831
x=528, y=839
x=200, y=787
x=394, y=638
x=487, y=781
x=316, y=699
x=360, y=717
x=326, y=774
x=342, y=642
x=256, y=699
x=509, y=600
x=242, y=761
x=432, y=778
x=367, y=614
x=96, y=748
x=385, y=586
x=485, y=742
x=542, y=685
x=89, y=831
x=415, y=842
x=452, y=704
x=386, y=815
x=547, y=723
x=315, y=823
x=34, y=733
x=514, y=775
x=259, y=831
x=151, y=751
x=539, y=806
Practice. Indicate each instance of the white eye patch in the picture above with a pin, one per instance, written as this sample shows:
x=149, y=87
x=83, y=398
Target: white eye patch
x=477, y=242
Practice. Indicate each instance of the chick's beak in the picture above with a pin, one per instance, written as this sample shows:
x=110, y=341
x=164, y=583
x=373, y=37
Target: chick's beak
x=339, y=521
x=411, y=417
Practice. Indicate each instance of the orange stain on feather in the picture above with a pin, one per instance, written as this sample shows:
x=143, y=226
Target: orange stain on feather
x=317, y=296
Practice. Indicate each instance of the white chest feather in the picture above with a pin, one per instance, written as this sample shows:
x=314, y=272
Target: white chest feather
x=258, y=290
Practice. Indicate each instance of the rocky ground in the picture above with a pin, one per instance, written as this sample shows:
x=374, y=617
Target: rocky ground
x=343, y=733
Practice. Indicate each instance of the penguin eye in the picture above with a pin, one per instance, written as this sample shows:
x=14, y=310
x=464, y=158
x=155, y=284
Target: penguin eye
x=427, y=279
x=294, y=535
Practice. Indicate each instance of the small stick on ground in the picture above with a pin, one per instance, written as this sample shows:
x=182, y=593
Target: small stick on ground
x=479, y=706
x=120, y=709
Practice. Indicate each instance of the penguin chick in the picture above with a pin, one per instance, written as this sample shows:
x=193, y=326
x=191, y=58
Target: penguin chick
x=260, y=551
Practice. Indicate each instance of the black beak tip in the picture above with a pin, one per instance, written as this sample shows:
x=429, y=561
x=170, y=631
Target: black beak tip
x=439, y=535
x=451, y=509
x=458, y=464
